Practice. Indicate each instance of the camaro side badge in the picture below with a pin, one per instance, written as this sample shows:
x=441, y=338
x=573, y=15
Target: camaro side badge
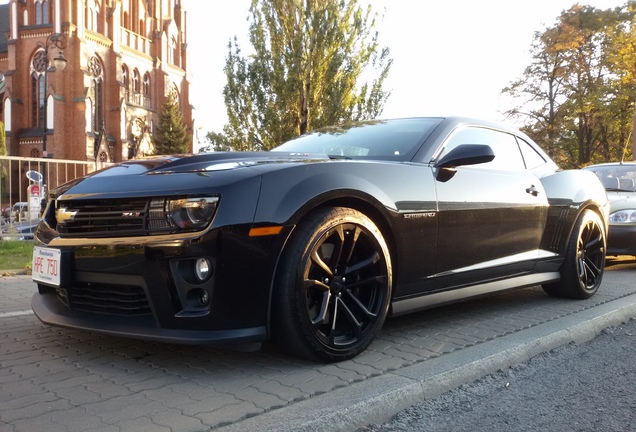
x=63, y=214
x=419, y=215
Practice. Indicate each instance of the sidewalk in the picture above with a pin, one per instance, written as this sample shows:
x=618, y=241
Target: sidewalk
x=61, y=380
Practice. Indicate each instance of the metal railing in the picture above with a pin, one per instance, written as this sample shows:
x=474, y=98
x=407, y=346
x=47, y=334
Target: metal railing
x=22, y=199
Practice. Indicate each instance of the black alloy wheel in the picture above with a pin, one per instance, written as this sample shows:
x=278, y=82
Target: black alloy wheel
x=334, y=286
x=582, y=270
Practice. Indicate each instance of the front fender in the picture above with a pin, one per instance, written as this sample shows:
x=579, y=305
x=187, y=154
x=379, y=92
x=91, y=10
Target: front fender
x=389, y=187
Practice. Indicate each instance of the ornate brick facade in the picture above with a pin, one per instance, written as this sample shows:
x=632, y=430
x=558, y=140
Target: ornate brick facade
x=123, y=59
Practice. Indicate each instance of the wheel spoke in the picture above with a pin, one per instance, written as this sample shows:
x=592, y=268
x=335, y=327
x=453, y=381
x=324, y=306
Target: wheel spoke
x=355, y=325
x=363, y=264
x=321, y=317
x=316, y=259
x=370, y=282
x=349, y=244
x=370, y=315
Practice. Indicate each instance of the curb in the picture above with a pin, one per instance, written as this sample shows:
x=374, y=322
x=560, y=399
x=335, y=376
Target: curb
x=15, y=272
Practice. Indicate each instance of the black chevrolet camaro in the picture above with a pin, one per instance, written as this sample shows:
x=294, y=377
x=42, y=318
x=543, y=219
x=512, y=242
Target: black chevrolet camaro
x=312, y=245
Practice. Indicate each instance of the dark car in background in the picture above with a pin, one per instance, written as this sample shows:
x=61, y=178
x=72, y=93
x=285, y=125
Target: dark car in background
x=315, y=243
x=619, y=180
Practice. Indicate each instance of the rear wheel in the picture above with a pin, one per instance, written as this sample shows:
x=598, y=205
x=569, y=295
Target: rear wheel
x=333, y=286
x=582, y=270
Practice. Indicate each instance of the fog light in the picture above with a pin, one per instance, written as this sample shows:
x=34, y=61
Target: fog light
x=202, y=268
x=204, y=298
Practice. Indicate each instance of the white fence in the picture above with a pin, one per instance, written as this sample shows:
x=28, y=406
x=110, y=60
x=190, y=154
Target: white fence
x=21, y=197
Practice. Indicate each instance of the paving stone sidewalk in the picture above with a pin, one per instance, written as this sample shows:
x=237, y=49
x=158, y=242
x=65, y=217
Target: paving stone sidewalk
x=55, y=379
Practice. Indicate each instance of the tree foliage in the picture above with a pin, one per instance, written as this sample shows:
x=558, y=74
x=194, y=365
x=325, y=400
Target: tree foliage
x=171, y=135
x=577, y=95
x=306, y=70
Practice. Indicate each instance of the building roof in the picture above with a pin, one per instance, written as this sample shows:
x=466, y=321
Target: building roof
x=4, y=26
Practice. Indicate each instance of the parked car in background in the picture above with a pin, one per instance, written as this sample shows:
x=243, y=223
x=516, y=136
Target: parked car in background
x=19, y=212
x=619, y=180
x=314, y=244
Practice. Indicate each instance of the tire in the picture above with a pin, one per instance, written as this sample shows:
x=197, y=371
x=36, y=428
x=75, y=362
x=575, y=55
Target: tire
x=584, y=264
x=333, y=286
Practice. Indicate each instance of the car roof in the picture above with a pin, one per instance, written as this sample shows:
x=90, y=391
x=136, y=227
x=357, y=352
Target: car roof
x=607, y=164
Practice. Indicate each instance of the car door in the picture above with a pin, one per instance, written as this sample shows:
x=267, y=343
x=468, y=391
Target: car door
x=491, y=215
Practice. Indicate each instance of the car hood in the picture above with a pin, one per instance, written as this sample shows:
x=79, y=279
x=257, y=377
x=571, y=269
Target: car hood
x=204, y=162
x=621, y=200
x=144, y=174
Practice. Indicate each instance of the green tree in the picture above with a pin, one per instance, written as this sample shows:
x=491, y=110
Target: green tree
x=171, y=136
x=306, y=70
x=217, y=142
x=572, y=99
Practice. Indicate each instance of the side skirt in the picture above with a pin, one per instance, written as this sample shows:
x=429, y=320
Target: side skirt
x=428, y=301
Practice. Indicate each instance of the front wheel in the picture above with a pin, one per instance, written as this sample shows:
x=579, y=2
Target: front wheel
x=333, y=286
x=584, y=264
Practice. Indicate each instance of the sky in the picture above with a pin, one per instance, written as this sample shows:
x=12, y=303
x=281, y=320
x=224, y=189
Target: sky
x=450, y=57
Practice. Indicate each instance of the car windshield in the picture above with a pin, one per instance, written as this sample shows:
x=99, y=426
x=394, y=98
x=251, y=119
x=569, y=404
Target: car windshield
x=616, y=177
x=378, y=139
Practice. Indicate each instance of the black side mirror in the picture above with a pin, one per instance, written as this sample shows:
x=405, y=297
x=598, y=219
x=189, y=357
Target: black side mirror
x=466, y=154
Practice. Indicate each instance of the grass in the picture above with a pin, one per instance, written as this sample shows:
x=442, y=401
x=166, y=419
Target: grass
x=15, y=254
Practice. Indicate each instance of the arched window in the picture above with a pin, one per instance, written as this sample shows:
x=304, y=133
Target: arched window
x=136, y=82
x=42, y=12
x=97, y=90
x=125, y=78
x=175, y=52
x=173, y=94
x=38, y=91
x=89, y=115
x=92, y=16
x=146, y=85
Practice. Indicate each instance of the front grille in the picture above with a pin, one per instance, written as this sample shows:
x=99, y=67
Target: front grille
x=103, y=217
x=126, y=300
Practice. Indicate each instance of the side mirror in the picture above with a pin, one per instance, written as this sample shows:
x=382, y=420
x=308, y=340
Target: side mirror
x=466, y=154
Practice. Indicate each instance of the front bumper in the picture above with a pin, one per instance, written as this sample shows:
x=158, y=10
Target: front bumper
x=51, y=311
x=146, y=289
x=621, y=240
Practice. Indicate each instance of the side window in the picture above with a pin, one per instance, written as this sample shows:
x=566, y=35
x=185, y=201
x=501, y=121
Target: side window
x=504, y=145
x=530, y=155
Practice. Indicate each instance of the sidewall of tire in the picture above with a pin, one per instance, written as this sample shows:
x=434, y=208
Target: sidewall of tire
x=291, y=328
x=570, y=285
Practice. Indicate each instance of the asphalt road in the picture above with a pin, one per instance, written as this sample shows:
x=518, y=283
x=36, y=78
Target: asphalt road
x=587, y=387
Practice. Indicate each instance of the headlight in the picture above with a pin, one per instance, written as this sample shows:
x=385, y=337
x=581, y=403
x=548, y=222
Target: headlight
x=188, y=214
x=623, y=216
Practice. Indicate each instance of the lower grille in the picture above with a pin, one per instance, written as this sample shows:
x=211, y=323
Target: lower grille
x=125, y=300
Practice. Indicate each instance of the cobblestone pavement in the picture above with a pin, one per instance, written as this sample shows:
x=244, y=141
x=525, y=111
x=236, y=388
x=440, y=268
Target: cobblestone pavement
x=55, y=379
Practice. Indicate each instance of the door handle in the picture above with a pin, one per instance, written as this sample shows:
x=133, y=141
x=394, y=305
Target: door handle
x=532, y=190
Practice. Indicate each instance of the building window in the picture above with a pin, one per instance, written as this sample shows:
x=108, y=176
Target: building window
x=146, y=85
x=174, y=54
x=42, y=12
x=136, y=82
x=125, y=77
x=97, y=90
x=92, y=16
x=38, y=91
x=173, y=94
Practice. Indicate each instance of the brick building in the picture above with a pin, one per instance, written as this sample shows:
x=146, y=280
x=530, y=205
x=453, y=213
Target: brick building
x=123, y=59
